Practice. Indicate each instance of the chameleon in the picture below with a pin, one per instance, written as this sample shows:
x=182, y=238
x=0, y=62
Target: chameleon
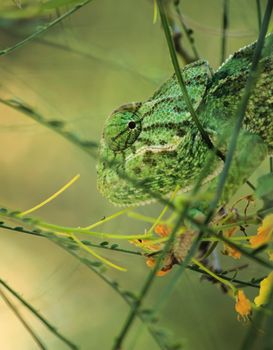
x=153, y=147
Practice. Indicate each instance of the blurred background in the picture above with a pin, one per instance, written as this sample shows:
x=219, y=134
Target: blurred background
x=106, y=54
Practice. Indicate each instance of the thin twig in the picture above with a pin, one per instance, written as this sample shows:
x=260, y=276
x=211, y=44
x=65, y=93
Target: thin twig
x=22, y=320
x=250, y=84
x=113, y=285
x=180, y=79
x=91, y=55
x=102, y=246
x=87, y=146
x=51, y=328
x=244, y=283
x=54, y=125
x=188, y=31
x=259, y=13
x=148, y=283
x=43, y=29
x=211, y=232
x=240, y=115
x=44, y=234
x=225, y=24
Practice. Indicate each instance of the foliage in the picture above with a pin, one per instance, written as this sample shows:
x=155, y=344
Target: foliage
x=170, y=241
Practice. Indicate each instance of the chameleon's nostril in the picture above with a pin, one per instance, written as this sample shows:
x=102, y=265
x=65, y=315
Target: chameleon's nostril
x=131, y=125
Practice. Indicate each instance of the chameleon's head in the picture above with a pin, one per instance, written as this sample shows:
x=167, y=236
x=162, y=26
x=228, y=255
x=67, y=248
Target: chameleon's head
x=151, y=147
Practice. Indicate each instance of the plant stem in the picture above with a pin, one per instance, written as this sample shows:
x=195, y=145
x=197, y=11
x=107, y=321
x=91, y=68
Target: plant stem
x=180, y=78
x=113, y=285
x=250, y=84
x=22, y=320
x=214, y=275
x=148, y=283
x=43, y=29
x=212, y=233
x=51, y=328
x=225, y=23
x=187, y=31
x=259, y=13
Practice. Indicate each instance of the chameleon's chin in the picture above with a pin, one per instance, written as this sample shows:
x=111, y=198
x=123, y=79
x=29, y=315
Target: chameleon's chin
x=118, y=191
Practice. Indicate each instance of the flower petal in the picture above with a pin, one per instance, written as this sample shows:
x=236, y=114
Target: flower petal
x=264, y=234
x=266, y=286
x=243, y=306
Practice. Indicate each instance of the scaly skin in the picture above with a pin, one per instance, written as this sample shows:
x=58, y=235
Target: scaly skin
x=156, y=142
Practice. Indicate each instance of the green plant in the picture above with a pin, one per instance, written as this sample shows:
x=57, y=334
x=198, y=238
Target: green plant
x=66, y=237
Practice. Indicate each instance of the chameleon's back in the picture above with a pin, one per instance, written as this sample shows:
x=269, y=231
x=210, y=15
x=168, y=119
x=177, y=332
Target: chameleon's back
x=227, y=87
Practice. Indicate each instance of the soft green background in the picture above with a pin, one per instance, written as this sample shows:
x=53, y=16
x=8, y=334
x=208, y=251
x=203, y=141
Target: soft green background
x=126, y=58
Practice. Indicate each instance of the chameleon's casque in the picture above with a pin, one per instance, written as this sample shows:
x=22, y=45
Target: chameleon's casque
x=151, y=147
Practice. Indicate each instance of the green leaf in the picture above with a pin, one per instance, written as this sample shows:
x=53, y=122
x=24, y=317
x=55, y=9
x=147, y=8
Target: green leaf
x=264, y=191
x=114, y=246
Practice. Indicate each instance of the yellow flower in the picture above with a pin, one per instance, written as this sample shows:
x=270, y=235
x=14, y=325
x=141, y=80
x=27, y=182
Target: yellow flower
x=264, y=234
x=270, y=253
x=146, y=245
x=150, y=262
x=266, y=286
x=233, y=252
x=162, y=230
x=228, y=250
x=242, y=306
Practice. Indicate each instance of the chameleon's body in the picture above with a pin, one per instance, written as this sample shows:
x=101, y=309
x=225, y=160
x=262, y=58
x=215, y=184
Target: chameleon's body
x=157, y=143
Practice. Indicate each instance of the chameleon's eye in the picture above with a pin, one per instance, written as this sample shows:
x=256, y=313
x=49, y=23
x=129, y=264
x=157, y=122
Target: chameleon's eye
x=131, y=124
x=122, y=130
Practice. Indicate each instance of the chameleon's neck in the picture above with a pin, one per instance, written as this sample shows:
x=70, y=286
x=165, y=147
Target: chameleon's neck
x=220, y=105
x=197, y=160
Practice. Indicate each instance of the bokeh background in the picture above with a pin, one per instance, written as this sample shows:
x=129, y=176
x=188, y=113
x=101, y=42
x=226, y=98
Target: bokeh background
x=109, y=53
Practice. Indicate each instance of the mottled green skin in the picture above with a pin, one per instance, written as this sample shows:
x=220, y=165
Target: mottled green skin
x=156, y=142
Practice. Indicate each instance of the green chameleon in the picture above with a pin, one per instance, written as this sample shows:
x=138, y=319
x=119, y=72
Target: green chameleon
x=154, y=146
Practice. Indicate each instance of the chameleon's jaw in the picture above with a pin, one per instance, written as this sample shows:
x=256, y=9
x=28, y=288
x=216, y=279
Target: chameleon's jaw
x=123, y=186
x=125, y=181
x=150, y=172
x=119, y=188
x=118, y=195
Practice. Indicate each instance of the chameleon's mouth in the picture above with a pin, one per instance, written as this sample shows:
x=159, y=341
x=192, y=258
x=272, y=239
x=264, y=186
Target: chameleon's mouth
x=153, y=149
x=119, y=193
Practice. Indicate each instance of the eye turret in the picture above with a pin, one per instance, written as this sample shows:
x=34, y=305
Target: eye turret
x=122, y=128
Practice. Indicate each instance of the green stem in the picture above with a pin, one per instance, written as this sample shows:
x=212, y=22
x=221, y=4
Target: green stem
x=51, y=328
x=250, y=84
x=113, y=285
x=187, y=31
x=93, y=55
x=214, y=275
x=43, y=29
x=180, y=79
x=225, y=23
x=67, y=229
x=208, y=230
x=244, y=283
x=87, y=146
x=22, y=320
x=259, y=13
x=148, y=283
x=120, y=250
x=138, y=303
x=142, y=217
